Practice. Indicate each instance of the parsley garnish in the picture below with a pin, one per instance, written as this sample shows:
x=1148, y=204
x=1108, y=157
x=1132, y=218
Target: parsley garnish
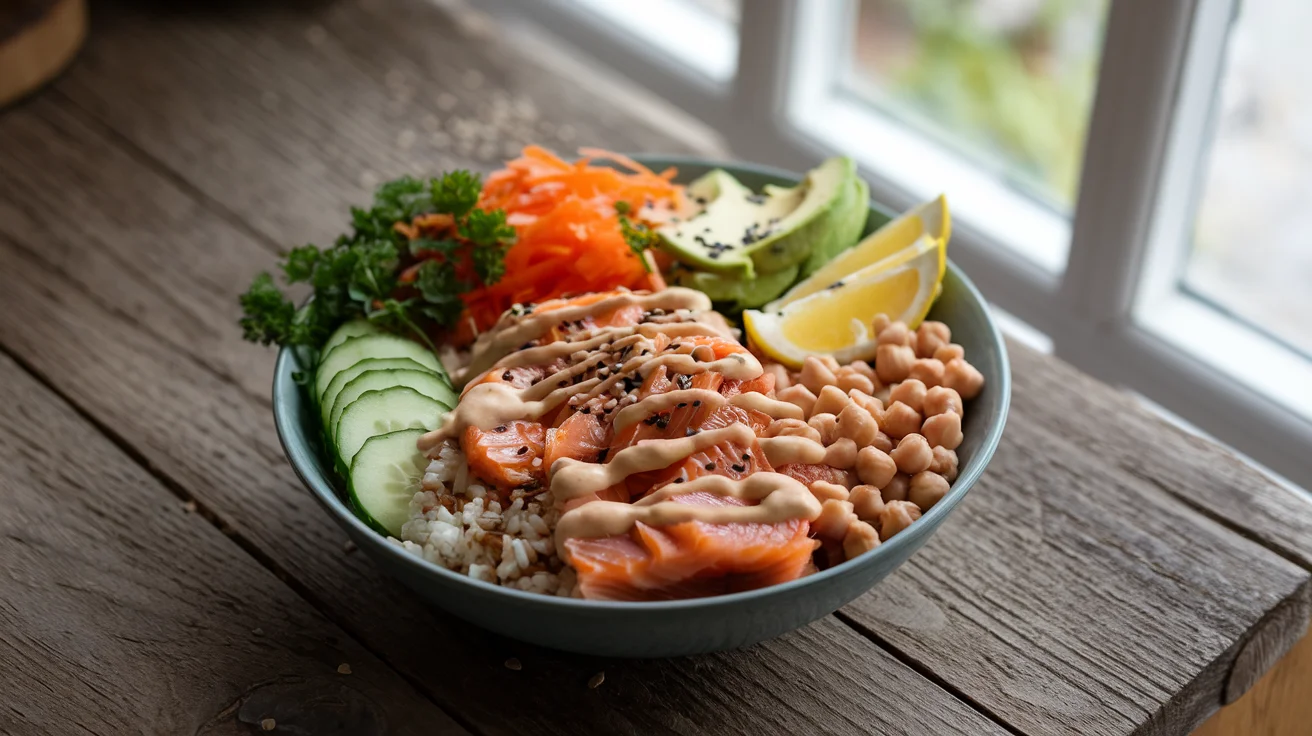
x=360, y=275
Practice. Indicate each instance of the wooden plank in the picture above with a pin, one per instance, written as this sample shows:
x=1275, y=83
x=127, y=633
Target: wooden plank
x=1196, y=471
x=92, y=304
x=121, y=612
x=1130, y=608
x=1276, y=706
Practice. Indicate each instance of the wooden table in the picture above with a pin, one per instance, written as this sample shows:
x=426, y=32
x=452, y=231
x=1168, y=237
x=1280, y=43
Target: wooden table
x=162, y=571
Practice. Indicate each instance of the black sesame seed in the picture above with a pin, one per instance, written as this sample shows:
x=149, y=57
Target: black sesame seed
x=738, y=468
x=710, y=466
x=601, y=456
x=698, y=402
x=683, y=404
x=587, y=410
x=746, y=456
x=678, y=480
x=499, y=429
x=522, y=450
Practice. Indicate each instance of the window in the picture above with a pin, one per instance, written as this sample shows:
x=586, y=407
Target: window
x=1131, y=178
x=1251, y=251
x=1007, y=85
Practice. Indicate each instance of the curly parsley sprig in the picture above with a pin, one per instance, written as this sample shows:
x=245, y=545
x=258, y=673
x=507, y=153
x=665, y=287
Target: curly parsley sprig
x=361, y=274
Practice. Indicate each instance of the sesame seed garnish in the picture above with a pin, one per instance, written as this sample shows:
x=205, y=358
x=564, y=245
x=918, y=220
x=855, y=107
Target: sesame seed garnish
x=522, y=451
x=679, y=479
x=596, y=680
x=505, y=376
x=710, y=466
x=514, y=664
x=737, y=468
x=500, y=428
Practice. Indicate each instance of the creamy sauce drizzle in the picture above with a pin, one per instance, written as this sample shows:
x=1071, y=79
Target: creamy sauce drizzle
x=657, y=403
x=788, y=450
x=781, y=499
x=773, y=408
x=595, y=363
x=511, y=332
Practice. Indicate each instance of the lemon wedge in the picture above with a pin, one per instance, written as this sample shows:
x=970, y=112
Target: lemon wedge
x=899, y=237
x=837, y=321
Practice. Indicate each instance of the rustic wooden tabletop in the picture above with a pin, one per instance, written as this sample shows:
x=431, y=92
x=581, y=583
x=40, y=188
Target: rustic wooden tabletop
x=162, y=570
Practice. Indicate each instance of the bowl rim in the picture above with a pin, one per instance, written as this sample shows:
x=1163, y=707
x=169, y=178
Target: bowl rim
x=298, y=455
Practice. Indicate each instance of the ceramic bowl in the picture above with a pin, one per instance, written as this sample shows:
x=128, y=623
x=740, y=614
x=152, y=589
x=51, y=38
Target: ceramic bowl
x=672, y=628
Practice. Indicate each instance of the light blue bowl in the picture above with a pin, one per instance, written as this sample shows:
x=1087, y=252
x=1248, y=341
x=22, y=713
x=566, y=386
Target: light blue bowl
x=672, y=628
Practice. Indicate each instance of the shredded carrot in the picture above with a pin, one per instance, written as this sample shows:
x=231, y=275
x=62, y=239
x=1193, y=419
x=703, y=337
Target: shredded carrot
x=569, y=239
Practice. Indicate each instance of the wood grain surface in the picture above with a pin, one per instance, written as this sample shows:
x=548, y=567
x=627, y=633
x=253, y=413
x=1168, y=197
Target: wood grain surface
x=1109, y=574
x=171, y=378
x=122, y=611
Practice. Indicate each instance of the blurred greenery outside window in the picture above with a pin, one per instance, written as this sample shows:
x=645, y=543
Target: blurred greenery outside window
x=1007, y=83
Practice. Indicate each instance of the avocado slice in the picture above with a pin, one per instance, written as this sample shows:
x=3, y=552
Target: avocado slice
x=846, y=221
x=739, y=234
x=745, y=293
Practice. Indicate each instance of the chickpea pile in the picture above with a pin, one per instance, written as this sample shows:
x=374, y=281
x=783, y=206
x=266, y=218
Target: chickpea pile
x=895, y=427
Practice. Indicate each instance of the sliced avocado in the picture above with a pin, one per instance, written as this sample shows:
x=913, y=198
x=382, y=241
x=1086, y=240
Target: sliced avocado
x=745, y=293
x=846, y=221
x=741, y=234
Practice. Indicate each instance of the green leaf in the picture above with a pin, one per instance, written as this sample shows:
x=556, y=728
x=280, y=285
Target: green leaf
x=640, y=238
x=266, y=314
x=456, y=193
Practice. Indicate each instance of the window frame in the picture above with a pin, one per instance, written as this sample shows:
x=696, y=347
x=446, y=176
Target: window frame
x=1115, y=308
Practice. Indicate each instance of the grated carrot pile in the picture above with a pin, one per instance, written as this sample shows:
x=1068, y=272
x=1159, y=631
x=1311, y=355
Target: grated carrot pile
x=569, y=239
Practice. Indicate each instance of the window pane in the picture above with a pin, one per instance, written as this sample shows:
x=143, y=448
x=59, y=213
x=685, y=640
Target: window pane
x=1008, y=83
x=701, y=34
x=1252, y=245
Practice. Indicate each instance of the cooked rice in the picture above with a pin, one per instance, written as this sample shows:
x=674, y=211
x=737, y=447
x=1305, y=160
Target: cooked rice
x=456, y=524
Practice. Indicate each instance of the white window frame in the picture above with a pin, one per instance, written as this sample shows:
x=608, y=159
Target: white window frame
x=1110, y=302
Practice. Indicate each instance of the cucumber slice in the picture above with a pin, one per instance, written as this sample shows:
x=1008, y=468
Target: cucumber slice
x=385, y=475
x=380, y=412
x=355, y=349
x=345, y=376
x=425, y=382
x=354, y=328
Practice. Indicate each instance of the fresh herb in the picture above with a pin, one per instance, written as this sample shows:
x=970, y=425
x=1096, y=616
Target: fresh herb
x=639, y=237
x=405, y=279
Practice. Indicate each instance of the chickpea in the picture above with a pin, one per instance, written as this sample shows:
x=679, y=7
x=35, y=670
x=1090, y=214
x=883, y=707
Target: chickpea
x=944, y=430
x=874, y=467
x=780, y=373
x=860, y=539
x=829, y=362
x=931, y=336
x=882, y=442
x=927, y=370
x=880, y=323
x=869, y=403
x=945, y=463
x=910, y=392
x=864, y=368
x=895, y=334
x=791, y=428
x=856, y=424
x=913, y=341
x=824, y=490
x=900, y=420
x=798, y=395
x=842, y=454
x=830, y=400
x=912, y=454
x=826, y=425
x=898, y=515
x=941, y=400
x=926, y=489
x=948, y=353
x=897, y=488
x=866, y=502
x=834, y=519
x=850, y=380
x=962, y=376
x=893, y=362
x=815, y=375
